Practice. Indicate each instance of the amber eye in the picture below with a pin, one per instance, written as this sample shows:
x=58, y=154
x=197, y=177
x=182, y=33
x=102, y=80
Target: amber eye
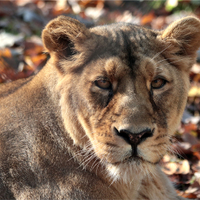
x=103, y=84
x=158, y=83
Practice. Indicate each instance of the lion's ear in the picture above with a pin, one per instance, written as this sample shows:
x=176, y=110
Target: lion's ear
x=183, y=37
x=63, y=35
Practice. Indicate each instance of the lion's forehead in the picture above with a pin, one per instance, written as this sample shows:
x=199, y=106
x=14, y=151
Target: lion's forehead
x=126, y=40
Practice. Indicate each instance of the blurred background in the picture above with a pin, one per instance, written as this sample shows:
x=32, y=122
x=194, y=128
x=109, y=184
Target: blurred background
x=21, y=55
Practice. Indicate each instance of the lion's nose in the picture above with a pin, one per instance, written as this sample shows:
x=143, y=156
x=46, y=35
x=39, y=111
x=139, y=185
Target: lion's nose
x=135, y=138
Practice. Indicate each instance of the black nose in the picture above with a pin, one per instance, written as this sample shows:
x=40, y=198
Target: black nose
x=135, y=138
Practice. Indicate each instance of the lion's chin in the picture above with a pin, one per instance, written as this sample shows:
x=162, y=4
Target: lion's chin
x=128, y=169
x=137, y=160
x=134, y=160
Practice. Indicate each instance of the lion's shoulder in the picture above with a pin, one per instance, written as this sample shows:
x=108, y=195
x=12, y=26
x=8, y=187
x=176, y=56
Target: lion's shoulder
x=11, y=87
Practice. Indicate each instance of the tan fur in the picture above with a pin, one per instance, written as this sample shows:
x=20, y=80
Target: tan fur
x=62, y=136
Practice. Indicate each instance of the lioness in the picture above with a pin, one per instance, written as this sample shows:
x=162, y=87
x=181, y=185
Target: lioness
x=96, y=120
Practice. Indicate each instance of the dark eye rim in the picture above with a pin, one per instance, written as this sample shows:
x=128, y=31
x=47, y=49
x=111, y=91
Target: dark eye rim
x=162, y=85
x=108, y=88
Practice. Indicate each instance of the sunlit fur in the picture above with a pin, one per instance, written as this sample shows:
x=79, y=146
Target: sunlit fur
x=62, y=134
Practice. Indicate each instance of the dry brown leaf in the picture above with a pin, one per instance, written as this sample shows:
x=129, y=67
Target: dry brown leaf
x=32, y=49
x=189, y=196
x=196, y=147
x=197, y=77
x=38, y=59
x=146, y=19
x=91, y=3
x=5, y=53
x=197, y=154
x=187, y=137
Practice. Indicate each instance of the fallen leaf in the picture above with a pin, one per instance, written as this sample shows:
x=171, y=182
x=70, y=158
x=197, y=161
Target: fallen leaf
x=194, y=91
x=197, y=154
x=5, y=53
x=32, y=49
x=187, y=137
x=184, y=168
x=191, y=190
x=196, y=166
x=197, y=176
x=196, y=147
x=189, y=196
x=170, y=168
x=146, y=19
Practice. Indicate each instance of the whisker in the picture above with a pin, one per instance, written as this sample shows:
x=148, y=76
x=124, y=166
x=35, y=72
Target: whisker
x=161, y=61
x=83, y=136
x=94, y=164
x=160, y=52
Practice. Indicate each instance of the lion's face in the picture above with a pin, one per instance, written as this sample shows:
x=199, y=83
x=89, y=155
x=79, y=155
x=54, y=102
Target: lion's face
x=117, y=102
x=125, y=94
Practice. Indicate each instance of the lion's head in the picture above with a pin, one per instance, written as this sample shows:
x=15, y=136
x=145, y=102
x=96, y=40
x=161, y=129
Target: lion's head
x=123, y=88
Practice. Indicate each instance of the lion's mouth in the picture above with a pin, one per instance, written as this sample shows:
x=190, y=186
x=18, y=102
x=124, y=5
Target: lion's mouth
x=133, y=158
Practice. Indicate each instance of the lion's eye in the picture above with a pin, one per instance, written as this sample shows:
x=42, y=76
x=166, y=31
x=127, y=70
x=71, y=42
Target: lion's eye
x=158, y=83
x=103, y=84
